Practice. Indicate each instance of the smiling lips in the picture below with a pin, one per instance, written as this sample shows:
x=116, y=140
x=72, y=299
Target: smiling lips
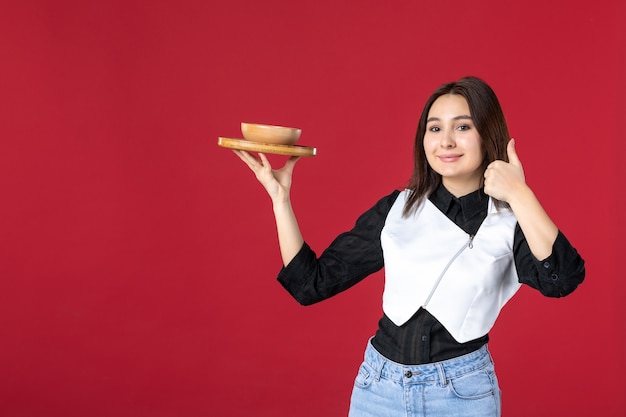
x=449, y=157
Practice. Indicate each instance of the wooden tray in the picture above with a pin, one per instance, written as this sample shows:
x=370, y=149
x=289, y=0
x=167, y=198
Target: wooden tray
x=246, y=145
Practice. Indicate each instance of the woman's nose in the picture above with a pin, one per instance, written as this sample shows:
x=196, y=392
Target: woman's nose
x=447, y=140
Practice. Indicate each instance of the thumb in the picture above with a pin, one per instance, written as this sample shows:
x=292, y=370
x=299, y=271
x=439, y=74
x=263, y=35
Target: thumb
x=512, y=154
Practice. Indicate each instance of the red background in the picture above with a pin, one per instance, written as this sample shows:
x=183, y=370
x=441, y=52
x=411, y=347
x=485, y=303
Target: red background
x=138, y=259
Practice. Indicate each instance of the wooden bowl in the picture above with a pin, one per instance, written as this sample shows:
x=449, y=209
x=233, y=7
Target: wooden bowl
x=278, y=135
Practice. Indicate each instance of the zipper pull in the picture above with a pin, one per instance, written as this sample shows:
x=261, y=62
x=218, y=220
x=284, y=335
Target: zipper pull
x=470, y=244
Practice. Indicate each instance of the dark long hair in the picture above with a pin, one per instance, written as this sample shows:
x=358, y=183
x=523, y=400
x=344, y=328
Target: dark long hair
x=489, y=120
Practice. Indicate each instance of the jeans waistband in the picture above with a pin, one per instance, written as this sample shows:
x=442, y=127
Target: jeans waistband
x=436, y=372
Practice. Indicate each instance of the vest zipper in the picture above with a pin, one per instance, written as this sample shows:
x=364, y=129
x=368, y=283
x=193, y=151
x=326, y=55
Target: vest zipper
x=469, y=244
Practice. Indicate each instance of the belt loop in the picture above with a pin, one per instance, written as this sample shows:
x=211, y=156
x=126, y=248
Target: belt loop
x=442, y=375
x=379, y=367
x=376, y=360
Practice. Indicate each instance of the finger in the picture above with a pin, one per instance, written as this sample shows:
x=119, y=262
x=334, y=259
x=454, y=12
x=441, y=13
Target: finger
x=495, y=166
x=512, y=154
x=241, y=155
x=291, y=162
x=487, y=173
x=252, y=162
x=264, y=161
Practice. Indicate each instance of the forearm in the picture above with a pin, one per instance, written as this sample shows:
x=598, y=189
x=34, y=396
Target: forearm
x=539, y=229
x=289, y=236
x=351, y=256
x=555, y=276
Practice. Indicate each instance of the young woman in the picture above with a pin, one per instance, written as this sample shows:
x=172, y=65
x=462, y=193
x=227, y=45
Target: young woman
x=456, y=246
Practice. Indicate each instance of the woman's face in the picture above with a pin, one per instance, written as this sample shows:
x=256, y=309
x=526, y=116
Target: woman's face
x=453, y=146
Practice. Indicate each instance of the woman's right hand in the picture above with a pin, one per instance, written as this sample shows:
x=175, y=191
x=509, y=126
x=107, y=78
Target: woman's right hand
x=277, y=182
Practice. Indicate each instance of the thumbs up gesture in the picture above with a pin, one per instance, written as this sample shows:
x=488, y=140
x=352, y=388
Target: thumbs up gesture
x=504, y=179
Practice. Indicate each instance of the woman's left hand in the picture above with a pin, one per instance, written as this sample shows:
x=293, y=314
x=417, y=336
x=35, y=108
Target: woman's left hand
x=504, y=179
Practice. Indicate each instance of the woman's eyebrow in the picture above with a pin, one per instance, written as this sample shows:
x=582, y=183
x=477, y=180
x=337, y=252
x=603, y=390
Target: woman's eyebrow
x=461, y=117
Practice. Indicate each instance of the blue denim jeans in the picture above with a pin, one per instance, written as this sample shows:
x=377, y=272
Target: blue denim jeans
x=465, y=386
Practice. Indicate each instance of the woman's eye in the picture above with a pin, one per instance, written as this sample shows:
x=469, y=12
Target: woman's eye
x=434, y=129
x=464, y=127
